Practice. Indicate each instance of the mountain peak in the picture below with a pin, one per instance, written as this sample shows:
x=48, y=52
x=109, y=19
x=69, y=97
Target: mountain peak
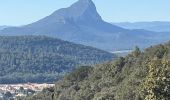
x=80, y=10
x=84, y=4
x=86, y=1
x=79, y=23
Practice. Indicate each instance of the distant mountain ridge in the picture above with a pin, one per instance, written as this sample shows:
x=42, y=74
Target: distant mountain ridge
x=43, y=59
x=3, y=27
x=80, y=23
x=157, y=26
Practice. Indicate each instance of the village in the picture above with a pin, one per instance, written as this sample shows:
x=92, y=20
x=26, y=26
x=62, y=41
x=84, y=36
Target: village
x=12, y=91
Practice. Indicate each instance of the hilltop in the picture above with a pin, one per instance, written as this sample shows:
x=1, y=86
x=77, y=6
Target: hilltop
x=43, y=59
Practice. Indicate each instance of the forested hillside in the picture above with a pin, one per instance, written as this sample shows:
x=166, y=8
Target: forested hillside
x=43, y=59
x=138, y=76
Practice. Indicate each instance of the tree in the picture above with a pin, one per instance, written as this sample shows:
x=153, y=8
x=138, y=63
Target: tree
x=8, y=95
x=157, y=83
x=136, y=52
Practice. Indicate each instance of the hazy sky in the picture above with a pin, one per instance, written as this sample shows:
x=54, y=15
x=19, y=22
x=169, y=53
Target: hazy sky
x=20, y=12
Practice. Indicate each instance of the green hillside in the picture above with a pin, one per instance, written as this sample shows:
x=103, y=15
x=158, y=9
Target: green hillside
x=43, y=59
x=138, y=76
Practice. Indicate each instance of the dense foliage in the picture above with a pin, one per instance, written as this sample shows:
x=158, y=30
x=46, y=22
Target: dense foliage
x=138, y=76
x=157, y=83
x=43, y=59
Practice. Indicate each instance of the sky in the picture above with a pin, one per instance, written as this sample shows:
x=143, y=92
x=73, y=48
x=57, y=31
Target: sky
x=22, y=12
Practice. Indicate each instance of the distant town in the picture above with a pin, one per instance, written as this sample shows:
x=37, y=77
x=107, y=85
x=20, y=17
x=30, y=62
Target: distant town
x=12, y=91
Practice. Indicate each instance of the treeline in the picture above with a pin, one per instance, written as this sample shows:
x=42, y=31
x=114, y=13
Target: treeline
x=138, y=76
x=43, y=59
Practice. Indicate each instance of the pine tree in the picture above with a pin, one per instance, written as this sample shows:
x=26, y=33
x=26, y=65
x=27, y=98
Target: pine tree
x=136, y=52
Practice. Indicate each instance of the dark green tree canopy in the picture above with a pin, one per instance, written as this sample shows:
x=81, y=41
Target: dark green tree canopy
x=43, y=59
